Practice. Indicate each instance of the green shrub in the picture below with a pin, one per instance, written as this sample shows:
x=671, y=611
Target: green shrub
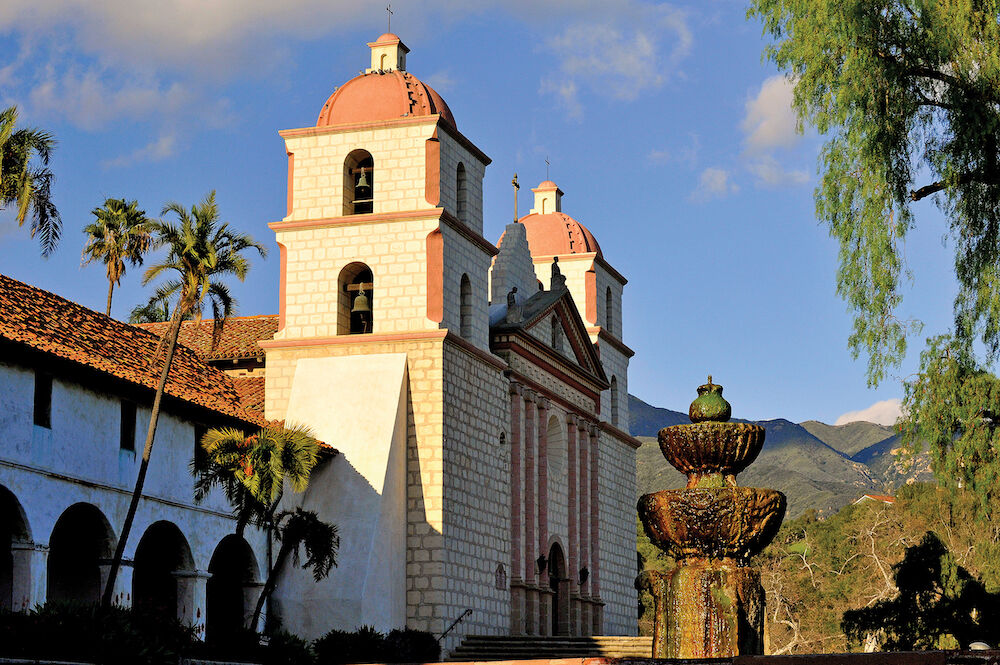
x=412, y=646
x=367, y=645
x=63, y=631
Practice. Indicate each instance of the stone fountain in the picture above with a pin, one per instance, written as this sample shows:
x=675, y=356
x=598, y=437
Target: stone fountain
x=711, y=605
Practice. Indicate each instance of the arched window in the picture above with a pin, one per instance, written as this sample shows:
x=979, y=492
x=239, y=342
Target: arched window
x=465, y=314
x=356, y=298
x=359, y=183
x=614, y=401
x=609, y=310
x=462, y=193
x=556, y=334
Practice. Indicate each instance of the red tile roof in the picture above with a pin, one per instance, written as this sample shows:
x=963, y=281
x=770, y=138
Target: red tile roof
x=51, y=324
x=238, y=340
x=251, y=391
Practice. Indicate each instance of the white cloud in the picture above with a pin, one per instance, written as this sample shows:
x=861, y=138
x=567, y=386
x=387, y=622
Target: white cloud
x=622, y=51
x=769, y=173
x=156, y=151
x=714, y=183
x=442, y=81
x=769, y=126
x=885, y=412
x=92, y=98
x=770, y=120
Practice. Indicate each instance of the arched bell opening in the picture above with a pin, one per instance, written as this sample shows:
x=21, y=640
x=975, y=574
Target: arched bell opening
x=232, y=589
x=14, y=534
x=465, y=313
x=162, y=573
x=356, y=297
x=609, y=310
x=614, y=401
x=462, y=194
x=559, y=584
x=80, y=550
x=359, y=183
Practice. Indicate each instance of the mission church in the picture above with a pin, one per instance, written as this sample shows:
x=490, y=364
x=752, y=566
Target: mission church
x=473, y=395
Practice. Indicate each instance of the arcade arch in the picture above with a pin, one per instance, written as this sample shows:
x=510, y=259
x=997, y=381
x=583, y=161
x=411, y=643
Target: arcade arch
x=232, y=588
x=158, y=583
x=13, y=531
x=80, y=548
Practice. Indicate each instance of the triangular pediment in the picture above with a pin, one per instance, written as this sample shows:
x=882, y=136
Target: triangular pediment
x=552, y=320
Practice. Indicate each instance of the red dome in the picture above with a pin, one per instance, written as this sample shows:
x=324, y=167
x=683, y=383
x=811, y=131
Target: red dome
x=382, y=96
x=557, y=233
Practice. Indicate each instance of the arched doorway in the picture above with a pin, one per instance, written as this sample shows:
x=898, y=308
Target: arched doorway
x=162, y=552
x=233, y=572
x=559, y=584
x=82, y=541
x=13, y=530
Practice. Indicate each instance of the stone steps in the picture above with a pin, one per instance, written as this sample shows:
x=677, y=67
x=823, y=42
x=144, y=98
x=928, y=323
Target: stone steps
x=499, y=647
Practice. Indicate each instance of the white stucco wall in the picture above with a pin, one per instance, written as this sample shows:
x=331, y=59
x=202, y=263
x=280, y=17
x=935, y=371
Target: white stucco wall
x=79, y=460
x=358, y=405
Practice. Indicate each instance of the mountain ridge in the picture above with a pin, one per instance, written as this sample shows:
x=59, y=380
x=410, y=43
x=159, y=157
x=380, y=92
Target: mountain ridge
x=818, y=466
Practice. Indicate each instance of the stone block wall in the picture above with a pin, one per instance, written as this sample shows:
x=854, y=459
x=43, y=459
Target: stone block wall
x=453, y=153
x=617, y=515
x=399, y=171
x=396, y=252
x=461, y=256
x=476, y=499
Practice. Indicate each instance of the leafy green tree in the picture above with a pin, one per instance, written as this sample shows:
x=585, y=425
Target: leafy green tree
x=907, y=93
x=252, y=472
x=25, y=185
x=200, y=250
x=120, y=232
x=940, y=605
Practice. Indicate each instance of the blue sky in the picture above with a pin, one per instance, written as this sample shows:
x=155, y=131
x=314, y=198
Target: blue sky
x=673, y=142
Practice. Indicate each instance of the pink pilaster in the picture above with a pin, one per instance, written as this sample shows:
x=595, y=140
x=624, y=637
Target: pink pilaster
x=545, y=598
x=573, y=523
x=530, y=508
x=586, y=620
x=597, y=617
x=517, y=569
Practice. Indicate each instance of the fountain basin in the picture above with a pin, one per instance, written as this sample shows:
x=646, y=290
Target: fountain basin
x=711, y=448
x=716, y=523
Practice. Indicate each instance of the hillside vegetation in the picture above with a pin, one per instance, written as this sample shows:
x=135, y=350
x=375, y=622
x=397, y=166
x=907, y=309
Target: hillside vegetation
x=817, y=466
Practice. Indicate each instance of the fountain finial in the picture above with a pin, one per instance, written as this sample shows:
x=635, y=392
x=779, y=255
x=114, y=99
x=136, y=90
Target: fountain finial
x=710, y=406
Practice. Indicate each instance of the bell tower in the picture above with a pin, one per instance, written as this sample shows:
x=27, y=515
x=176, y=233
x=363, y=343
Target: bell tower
x=383, y=347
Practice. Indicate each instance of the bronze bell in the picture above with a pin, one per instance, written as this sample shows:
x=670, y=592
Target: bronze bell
x=361, y=303
x=362, y=181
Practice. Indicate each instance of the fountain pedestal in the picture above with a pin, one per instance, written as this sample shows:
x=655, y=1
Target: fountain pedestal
x=711, y=605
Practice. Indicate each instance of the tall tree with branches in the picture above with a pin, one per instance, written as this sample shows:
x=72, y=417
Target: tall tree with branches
x=200, y=250
x=907, y=93
x=120, y=232
x=26, y=185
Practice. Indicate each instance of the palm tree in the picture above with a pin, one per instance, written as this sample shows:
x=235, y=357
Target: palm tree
x=252, y=471
x=154, y=311
x=296, y=529
x=25, y=186
x=121, y=232
x=200, y=249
